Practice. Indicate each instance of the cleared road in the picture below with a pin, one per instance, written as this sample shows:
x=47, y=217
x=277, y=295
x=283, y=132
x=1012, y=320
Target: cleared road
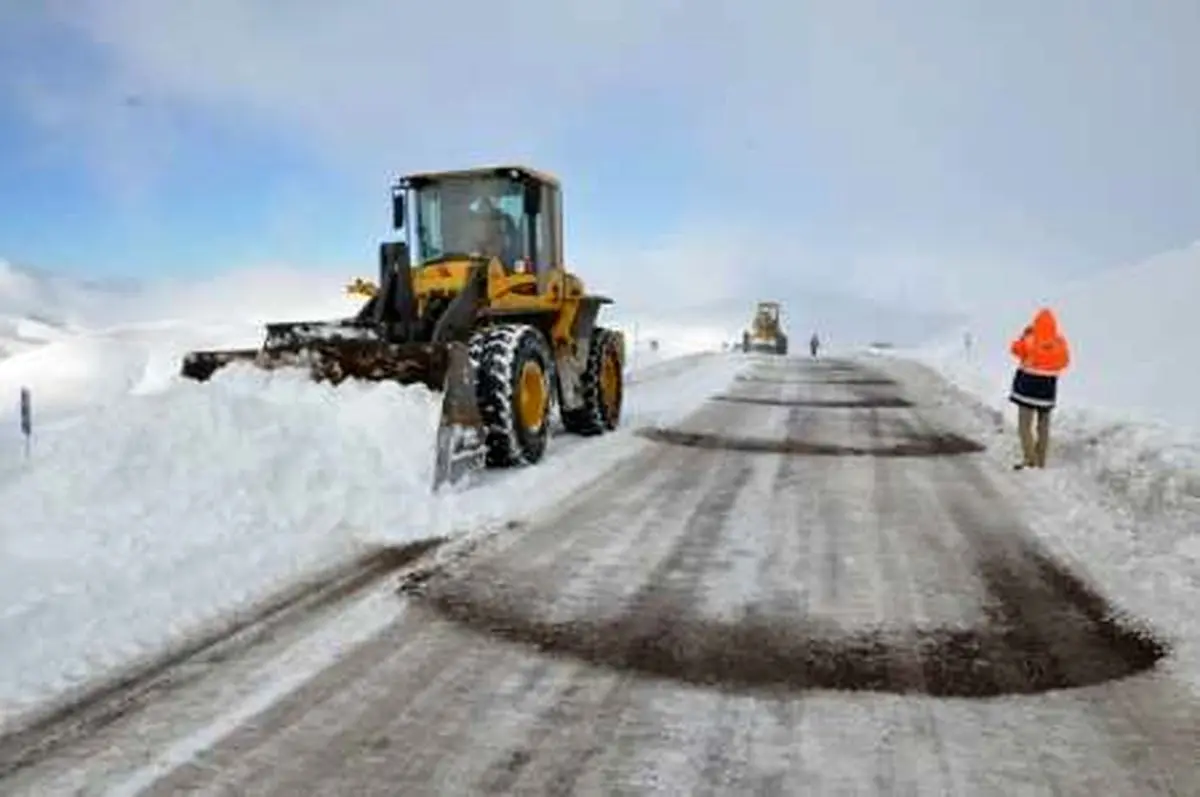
x=811, y=586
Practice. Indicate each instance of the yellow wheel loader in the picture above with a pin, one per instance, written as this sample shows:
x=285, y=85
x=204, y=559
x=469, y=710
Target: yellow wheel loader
x=475, y=302
x=766, y=331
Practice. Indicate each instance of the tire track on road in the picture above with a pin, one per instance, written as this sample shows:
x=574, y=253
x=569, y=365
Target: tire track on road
x=908, y=665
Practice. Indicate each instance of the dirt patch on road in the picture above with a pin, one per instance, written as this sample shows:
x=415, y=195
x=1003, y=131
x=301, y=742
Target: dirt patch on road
x=932, y=444
x=1039, y=627
x=1053, y=634
x=866, y=402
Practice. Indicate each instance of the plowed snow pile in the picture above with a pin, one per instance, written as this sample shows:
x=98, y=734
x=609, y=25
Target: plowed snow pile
x=155, y=513
x=148, y=516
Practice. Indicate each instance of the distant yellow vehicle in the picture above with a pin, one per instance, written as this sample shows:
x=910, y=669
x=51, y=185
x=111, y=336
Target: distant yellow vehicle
x=766, y=331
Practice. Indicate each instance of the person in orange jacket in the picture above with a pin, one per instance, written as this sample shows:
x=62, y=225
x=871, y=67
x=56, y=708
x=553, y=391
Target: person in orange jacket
x=1043, y=354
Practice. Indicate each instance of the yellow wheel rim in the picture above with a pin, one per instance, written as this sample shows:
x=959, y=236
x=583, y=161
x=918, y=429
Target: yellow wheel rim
x=610, y=384
x=531, y=401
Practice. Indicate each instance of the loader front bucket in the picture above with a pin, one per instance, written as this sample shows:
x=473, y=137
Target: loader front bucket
x=442, y=367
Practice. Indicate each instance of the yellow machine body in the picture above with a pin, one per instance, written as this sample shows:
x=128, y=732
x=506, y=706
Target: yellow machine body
x=475, y=302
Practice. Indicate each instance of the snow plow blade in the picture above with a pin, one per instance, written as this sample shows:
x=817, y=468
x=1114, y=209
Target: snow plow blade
x=339, y=355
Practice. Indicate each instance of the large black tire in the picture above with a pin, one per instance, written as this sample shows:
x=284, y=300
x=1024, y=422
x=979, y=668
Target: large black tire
x=781, y=344
x=512, y=365
x=602, y=397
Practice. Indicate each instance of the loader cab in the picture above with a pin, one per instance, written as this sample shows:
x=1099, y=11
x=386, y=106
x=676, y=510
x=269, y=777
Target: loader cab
x=766, y=319
x=510, y=213
x=769, y=312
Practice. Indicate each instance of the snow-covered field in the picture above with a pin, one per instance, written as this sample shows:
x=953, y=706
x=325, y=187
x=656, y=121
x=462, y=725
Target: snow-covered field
x=1125, y=444
x=151, y=505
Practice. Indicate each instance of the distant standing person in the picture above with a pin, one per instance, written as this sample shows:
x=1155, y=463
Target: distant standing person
x=814, y=343
x=1042, y=354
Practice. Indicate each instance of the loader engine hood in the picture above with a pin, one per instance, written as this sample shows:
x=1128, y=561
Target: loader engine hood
x=443, y=277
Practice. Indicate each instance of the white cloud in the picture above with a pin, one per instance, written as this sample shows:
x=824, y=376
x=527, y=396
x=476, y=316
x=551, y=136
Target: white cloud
x=384, y=82
x=924, y=152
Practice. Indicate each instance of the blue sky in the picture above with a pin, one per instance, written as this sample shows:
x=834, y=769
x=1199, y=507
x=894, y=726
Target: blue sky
x=921, y=153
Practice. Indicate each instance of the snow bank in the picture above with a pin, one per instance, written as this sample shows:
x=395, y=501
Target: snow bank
x=153, y=515
x=149, y=517
x=1125, y=447
x=1128, y=412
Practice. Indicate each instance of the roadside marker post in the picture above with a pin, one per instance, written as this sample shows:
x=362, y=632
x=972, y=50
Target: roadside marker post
x=26, y=418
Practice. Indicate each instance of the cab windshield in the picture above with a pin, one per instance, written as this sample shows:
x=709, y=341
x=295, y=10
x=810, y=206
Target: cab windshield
x=462, y=217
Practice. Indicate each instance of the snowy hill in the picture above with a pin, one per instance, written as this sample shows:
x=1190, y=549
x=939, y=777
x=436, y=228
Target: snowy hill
x=36, y=308
x=1133, y=333
x=77, y=343
x=1128, y=408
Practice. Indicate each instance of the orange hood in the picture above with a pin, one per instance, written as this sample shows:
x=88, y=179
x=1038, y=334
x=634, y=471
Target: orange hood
x=1042, y=347
x=1045, y=325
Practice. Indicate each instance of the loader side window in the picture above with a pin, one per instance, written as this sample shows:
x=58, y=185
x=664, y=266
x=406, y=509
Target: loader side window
x=546, y=236
x=429, y=228
x=541, y=241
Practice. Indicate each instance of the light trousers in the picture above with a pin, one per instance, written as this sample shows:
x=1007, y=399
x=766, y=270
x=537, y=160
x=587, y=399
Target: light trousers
x=1034, y=448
